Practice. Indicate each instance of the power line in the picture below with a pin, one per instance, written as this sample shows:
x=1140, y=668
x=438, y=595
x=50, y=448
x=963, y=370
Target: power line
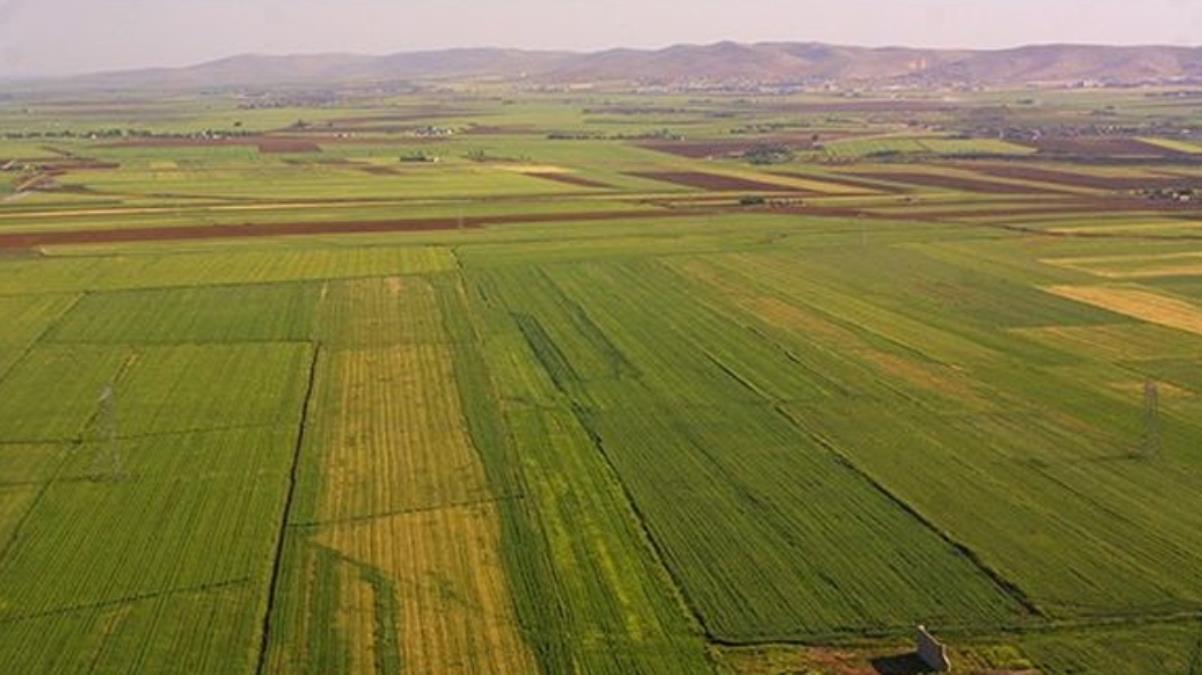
x=1152, y=436
x=106, y=462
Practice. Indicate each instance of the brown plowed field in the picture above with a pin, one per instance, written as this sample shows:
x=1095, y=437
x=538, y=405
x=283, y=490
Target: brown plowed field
x=954, y=182
x=1083, y=180
x=22, y=240
x=1058, y=208
x=378, y=170
x=842, y=179
x=287, y=145
x=712, y=181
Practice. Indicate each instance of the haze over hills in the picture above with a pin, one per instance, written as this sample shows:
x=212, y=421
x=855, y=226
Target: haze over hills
x=724, y=63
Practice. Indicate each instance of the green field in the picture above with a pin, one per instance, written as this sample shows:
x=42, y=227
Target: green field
x=568, y=401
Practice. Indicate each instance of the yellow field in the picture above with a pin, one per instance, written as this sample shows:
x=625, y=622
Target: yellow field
x=1116, y=342
x=1136, y=266
x=444, y=563
x=405, y=503
x=397, y=441
x=1140, y=304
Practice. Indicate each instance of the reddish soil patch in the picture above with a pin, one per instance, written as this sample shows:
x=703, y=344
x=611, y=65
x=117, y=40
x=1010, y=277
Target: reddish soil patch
x=568, y=179
x=1040, y=175
x=712, y=182
x=287, y=145
x=18, y=240
x=954, y=182
x=844, y=180
x=1184, y=211
x=378, y=170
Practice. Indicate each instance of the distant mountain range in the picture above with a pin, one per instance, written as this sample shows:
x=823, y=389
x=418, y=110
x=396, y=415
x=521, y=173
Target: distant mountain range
x=724, y=63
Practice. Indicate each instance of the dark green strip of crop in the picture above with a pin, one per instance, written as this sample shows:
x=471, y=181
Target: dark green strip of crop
x=528, y=564
x=286, y=512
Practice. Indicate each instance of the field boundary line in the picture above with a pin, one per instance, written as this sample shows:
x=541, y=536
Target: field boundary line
x=71, y=448
x=286, y=512
x=653, y=546
x=83, y=438
x=407, y=511
x=33, y=504
x=1009, y=588
x=173, y=343
x=140, y=597
x=975, y=631
x=658, y=556
x=1195, y=662
x=234, y=284
x=28, y=239
x=52, y=325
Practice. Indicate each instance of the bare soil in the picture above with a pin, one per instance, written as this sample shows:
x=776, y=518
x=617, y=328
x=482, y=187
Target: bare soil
x=25, y=240
x=713, y=182
x=1041, y=175
x=955, y=182
x=274, y=145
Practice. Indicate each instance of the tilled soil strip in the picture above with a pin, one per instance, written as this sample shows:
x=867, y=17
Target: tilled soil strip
x=19, y=240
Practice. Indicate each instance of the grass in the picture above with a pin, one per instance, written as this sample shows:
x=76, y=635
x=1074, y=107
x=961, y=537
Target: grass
x=747, y=438
x=904, y=145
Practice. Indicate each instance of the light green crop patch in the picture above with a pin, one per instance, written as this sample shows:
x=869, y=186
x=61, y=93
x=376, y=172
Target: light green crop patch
x=219, y=267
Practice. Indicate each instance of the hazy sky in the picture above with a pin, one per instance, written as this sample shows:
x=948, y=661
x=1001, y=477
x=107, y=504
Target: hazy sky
x=65, y=36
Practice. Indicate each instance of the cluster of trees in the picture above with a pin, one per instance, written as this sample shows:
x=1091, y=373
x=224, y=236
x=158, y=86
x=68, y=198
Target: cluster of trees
x=769, y=154
x=120, y=133
x=657, y=135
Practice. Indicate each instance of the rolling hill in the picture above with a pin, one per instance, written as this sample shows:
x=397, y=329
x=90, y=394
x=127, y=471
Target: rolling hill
x=720, y=63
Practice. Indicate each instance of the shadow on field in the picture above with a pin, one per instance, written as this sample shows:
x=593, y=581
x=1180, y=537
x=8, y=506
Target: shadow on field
x=901, y=664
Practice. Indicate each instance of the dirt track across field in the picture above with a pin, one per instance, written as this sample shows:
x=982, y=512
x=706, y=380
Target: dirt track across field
x=25, y=240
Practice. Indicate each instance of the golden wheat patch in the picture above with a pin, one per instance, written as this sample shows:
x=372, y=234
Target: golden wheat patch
x=454, y=610
x=1140, y=304
x=398, y=439
x=1135, y=266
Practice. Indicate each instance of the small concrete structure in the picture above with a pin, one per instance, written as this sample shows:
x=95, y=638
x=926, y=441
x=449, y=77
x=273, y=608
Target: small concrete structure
x=932, y=652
